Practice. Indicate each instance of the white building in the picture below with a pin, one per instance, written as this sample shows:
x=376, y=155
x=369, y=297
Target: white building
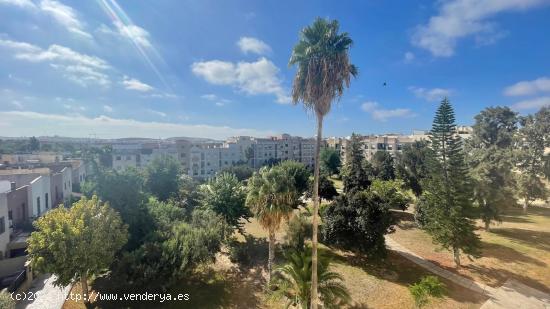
x=4, y=224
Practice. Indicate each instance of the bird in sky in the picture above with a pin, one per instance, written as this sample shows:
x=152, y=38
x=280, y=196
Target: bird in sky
x=384, y=84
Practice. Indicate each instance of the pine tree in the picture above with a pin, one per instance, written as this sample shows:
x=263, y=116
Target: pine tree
x=491, y=160
x=355, y=175
x=447, y=200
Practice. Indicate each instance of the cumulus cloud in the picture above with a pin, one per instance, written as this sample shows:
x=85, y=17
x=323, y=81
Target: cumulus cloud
x=80, y=68
x=31, y=123
x=432, y=95
x=381, y=114
x=253, y=78
x=458, y=19
x=531, y=87
x=253, y=45
x=535, y=103
x=134, y=84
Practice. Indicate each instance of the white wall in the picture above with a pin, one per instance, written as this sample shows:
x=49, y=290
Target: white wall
x=5, y=185
x=38, y=188
x=5, y=235
x=67, y=182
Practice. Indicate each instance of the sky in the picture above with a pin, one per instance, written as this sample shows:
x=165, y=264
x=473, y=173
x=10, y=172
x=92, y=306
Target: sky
x=113, y=68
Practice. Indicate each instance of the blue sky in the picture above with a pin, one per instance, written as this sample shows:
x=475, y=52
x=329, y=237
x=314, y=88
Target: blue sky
x=214, y=69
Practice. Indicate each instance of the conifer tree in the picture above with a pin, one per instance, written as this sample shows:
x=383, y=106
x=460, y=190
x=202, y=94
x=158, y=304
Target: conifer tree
x=355, y=175
x=447, y=199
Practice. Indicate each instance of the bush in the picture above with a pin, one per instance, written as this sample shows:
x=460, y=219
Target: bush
x=426, y=287
x=298, y=230
x=6, y=302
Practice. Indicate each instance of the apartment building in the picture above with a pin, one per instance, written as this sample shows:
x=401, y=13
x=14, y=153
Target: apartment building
x=203, y=159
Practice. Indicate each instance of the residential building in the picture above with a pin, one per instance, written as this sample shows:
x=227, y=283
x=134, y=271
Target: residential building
x=4, y=225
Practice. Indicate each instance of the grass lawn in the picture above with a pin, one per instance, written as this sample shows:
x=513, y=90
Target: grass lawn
x=338, y=184
x=517, y=248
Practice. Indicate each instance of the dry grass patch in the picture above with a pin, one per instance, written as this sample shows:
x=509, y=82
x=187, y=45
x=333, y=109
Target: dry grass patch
x=517, y=248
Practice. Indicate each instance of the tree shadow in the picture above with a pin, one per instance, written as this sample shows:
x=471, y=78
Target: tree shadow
x=400, y=270
x=507, y=254
x=515, y=219
x=499, y=276
x=536, y=239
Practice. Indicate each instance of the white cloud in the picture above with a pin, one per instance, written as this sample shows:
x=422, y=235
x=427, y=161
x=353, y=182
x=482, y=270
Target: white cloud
x=26, y=4
x=214, y=98
x=432, y=95
x=253, y=78
x=23, y=123
x=108, y=108
x=531, y=87
x=17, y=104
x=532, y=103
x=64, y=15
x=157, y=113
x=80, y=68
x=408, y=57
x=135, y=33
x=458, y=19
x=134, y=84
x=381, y=114
x=253, y=45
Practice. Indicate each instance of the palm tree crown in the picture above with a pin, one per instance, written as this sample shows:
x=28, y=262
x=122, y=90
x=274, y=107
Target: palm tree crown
x=324, y=67
x=294, y=281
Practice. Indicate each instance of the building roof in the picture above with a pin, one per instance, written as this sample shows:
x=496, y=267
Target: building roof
x=23, y=171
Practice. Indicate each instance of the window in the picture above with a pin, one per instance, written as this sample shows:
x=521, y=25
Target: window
x=38, y=204
x=2, y=225
x=10, y=215
x=47, y=199
x=118, y=158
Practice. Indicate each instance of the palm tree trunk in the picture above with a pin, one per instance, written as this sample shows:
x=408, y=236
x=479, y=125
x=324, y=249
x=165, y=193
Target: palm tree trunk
x=315, y=213
x=487, y=226
x=84, y=285
x=525, y=205
x=271, y=256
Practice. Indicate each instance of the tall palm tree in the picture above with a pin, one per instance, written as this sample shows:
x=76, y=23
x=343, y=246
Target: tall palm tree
x=324, y=71
x=294, y=281
x=271, y=194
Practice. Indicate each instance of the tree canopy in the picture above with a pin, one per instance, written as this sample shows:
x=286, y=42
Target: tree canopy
x=330, y=161
x=78, y=242
x=163, y=176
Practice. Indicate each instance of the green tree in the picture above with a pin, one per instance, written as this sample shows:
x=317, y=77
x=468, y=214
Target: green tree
x=490, y=157
x=271, y=196
x=177, y=246
x=390, y=193
x=299, y=172
x=358, y=222
x=355, y=176
x=34, y=144
x=411, y=165
x=330, y=160
x=327, y=190
x=226, y=196
x=324, y=70
x=294, y=281
x=77, y=243
x=188, y=195
x=532, y=162
x=447, y=200
x=383, y=165
x=298, y=230
x=124, y=191
x=163, y=177
x=241, y=171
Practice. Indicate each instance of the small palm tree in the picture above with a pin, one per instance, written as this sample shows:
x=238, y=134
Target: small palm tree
x=271, y=194
x=294, y=281
x=324, y=71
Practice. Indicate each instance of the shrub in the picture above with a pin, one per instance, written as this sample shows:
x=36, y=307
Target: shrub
x=426, y=287
x=298, y=230
x=6, y=302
